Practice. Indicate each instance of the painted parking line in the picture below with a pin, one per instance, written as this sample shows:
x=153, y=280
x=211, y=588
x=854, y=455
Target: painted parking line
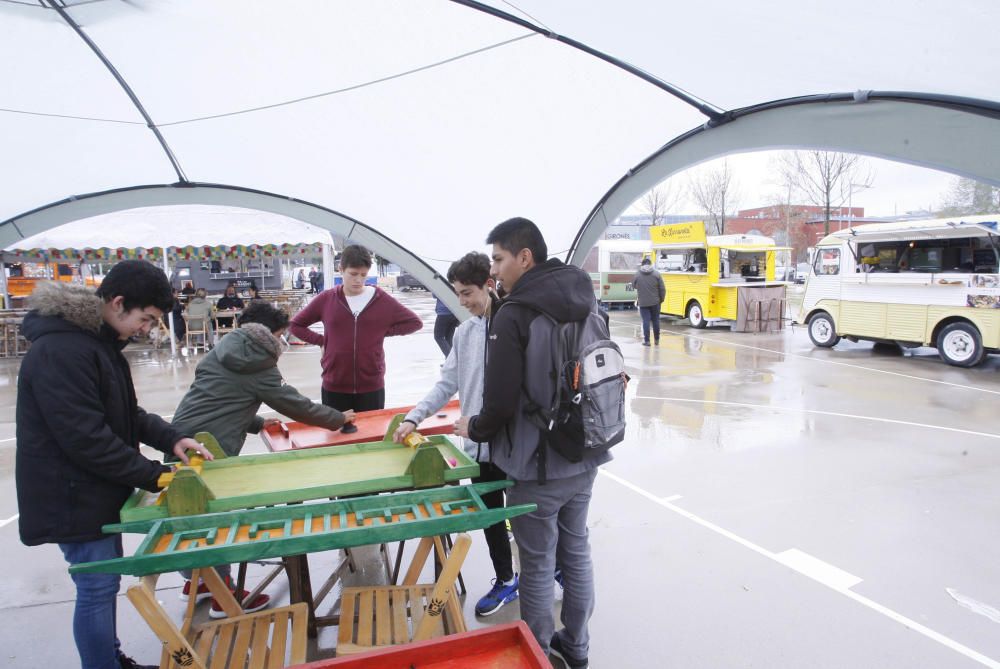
x=721, y=342
x=814, y=569
x=820, y=412
x=10, y=520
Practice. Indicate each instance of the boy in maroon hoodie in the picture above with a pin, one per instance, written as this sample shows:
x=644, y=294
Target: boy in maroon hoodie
x=356, y=319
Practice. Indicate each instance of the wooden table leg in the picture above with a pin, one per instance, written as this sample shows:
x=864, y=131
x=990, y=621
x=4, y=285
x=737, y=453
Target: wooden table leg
x=300, y=588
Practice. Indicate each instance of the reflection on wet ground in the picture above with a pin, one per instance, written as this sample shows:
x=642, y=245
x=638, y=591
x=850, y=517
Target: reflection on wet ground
x=773, y=504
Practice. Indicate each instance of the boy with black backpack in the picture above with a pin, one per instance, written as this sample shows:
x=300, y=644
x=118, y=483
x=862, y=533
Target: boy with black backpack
x=525, y=410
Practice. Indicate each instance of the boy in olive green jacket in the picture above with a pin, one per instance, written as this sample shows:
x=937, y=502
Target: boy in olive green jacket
x=230, y=384
x=239, y=375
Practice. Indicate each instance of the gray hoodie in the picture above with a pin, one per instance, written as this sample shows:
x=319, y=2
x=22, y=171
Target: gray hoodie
x=462, y=373
x=233, y=380
x=649, y=288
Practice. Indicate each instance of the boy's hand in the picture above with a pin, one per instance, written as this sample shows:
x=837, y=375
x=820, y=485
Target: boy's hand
x=404, y=429
x=462, y=427
x=188, y=444
x=348, y=415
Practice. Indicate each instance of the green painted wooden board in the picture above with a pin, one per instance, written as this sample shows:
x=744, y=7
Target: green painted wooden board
x=295, y=476
x=211, y=539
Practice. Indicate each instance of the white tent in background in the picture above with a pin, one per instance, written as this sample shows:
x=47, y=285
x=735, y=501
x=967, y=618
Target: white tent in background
x=414, y=126
x=157, y=227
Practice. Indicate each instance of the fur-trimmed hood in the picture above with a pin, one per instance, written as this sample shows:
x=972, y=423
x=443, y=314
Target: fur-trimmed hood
x=250, y=348
x=57, y=307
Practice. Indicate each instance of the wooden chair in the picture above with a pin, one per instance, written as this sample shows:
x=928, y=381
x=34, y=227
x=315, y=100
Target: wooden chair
x=228, y=323
x=268, y=639
x=198, y=333
x=382, y=616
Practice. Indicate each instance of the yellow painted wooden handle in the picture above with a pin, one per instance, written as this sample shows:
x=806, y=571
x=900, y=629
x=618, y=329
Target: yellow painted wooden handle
x=195, y=462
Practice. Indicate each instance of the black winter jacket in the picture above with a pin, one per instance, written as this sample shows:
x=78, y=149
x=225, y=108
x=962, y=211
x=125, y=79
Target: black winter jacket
x=78, y=422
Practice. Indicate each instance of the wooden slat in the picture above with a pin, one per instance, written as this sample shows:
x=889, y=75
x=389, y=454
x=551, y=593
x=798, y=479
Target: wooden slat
x=221, y=592
x=400, y=630
x=203, y=643
x=145, y=603
x=279, y=635
x=300, y=616
x=443, y=589
x=419, y=559
x=345, y=635
x=364, y=635
x=415, y=595
x=244, y=632
x=224, y=643
x=258, y=649
x=383, y=618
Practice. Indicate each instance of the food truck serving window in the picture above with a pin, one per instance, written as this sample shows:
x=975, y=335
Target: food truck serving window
x=827, y=262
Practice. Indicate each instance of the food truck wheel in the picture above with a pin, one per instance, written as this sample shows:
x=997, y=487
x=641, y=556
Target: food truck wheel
x=696, y=316
x=822, y=331
x=959, y=344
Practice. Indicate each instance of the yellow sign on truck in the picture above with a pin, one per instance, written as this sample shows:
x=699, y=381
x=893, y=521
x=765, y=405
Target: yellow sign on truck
x=719, y=279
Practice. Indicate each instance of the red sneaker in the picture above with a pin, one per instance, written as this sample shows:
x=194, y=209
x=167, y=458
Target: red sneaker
x=203, y=592
x=259, y=602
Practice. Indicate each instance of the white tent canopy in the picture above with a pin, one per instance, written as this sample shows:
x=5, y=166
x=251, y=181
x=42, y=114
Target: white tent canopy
x=416, y=125
x=195, y=225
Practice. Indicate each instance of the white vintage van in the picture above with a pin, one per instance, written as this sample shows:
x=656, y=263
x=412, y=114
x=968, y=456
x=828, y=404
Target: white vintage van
x=915, y=283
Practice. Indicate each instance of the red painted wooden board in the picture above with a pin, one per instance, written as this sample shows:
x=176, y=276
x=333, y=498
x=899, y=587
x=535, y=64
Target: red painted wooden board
x=507, y=646
x=371, y=427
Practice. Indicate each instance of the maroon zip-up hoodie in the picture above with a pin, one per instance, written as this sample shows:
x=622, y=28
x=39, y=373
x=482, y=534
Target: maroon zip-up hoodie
x=353, y=358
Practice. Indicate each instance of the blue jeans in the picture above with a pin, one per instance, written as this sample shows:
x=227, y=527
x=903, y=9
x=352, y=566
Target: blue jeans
x=650, y=315
x=94, y=627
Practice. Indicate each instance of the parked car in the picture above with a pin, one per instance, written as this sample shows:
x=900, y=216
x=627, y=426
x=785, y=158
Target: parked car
x=801, y=272
x=407, y=282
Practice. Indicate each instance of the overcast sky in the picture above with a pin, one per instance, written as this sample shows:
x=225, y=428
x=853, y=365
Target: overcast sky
x=896, y=188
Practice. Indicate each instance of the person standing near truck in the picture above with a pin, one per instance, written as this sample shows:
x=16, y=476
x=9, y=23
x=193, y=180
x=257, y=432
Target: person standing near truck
x=650, y=292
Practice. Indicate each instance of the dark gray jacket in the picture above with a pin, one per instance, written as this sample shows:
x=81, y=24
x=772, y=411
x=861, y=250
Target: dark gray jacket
x=230, y=384
x=649, y=288
x=519, y=355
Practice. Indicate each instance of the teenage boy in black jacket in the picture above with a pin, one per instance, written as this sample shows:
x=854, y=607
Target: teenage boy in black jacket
x=78, y=432
x=517, y=365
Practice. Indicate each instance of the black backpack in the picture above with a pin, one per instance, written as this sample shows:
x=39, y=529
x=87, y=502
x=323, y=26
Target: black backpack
x=586, y=414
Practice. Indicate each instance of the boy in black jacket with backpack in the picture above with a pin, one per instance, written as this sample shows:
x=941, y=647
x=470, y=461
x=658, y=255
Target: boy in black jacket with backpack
x=519, y=346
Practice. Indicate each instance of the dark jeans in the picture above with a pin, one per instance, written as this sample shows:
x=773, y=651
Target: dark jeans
x=444, y=330
x=94, y=618
x=496, y=535
x=650, y=314
x=356, y=401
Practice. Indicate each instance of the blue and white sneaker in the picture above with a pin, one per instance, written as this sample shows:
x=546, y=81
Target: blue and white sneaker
x=498, y=595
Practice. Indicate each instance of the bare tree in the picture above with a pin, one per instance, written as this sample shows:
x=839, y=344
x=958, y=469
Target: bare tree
x=825, y=178
x=969, y=197
x=658, y=201
x=714, y=191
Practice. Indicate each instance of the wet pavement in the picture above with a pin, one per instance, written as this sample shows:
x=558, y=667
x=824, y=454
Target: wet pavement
x=773, y=505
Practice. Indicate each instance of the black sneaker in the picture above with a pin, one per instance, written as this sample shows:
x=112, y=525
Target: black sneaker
x=126, y=662
x=556, y=650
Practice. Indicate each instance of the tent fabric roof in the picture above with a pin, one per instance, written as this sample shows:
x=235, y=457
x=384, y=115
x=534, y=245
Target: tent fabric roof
x=420, y=124
x=194, y=225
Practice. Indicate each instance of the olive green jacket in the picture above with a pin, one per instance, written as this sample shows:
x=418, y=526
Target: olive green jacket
x=232, y=381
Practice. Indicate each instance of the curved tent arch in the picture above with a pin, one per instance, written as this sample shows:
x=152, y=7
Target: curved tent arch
x=951, y=134
x=122, y=199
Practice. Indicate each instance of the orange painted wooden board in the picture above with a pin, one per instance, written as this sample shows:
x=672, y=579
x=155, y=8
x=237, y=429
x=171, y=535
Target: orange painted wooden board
x=372, y=426
x=508, y=646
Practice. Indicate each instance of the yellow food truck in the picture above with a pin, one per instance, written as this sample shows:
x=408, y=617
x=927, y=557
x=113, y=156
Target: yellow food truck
x=722, y=279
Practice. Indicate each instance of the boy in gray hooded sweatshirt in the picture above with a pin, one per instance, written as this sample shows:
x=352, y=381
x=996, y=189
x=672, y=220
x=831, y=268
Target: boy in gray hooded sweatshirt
x=463, y=373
